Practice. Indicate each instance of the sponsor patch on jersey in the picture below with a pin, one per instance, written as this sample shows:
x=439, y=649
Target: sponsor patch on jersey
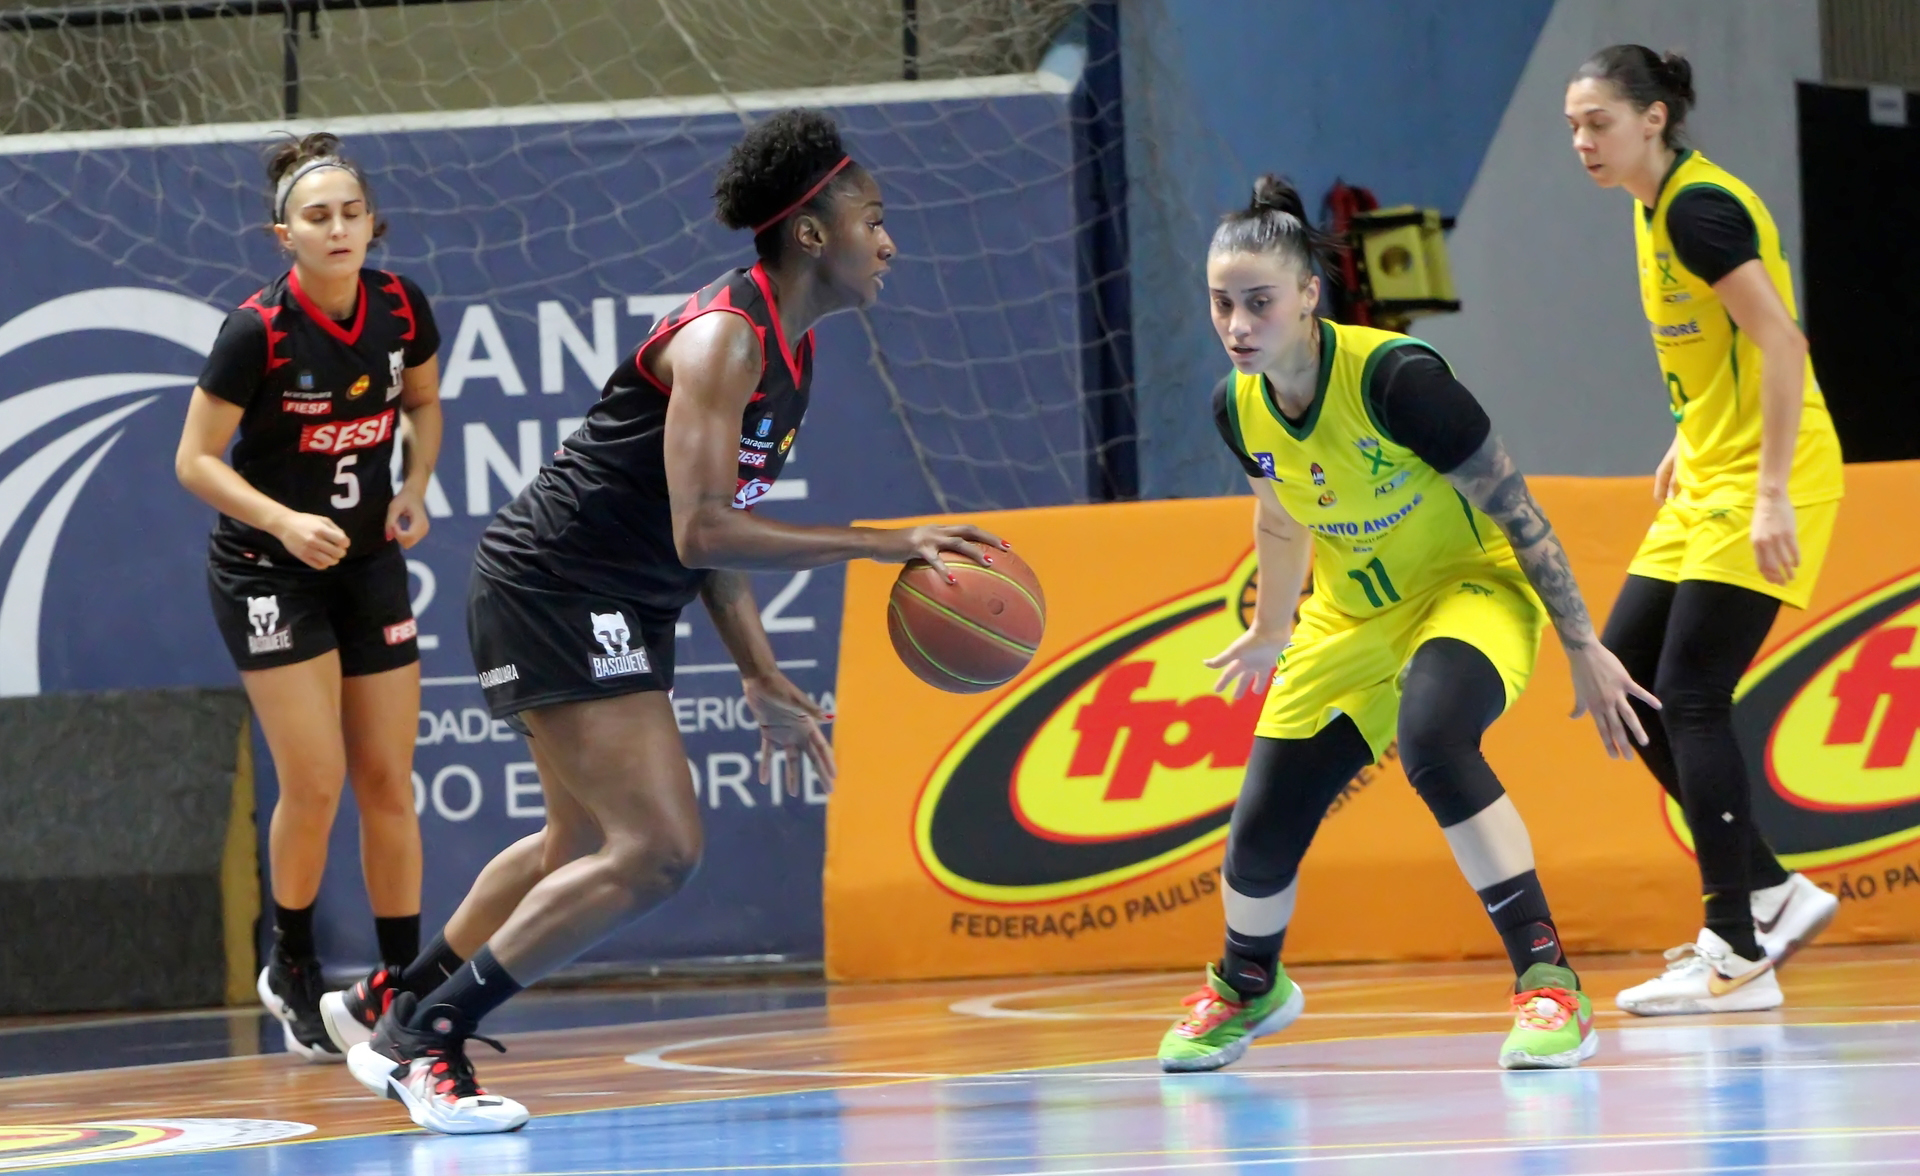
x=347, y=436
x=750, y=443
x=359, y=388
x=750, y=491
x=1393, y=483
x=401, y=633
x=499, y=676
x=306, y=380
x=749, y=458
x=786, y=442
x=1676, y=330
x=1319, y=475
x=1329, y=498
x=307, y=407
x=764, y=427
x=396, y=369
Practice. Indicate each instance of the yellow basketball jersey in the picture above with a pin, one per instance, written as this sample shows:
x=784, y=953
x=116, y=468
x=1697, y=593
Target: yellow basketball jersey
x=1386, y=526
x=1712, y=369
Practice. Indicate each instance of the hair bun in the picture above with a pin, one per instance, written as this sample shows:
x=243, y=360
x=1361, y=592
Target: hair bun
x=1272, y=193
x=1677, y=72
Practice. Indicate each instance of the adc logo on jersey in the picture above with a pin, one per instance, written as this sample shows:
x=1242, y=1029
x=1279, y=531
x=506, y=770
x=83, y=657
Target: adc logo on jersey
x=1112, y=762
x=610, y=629
x=263, y=614
x=1828, y=725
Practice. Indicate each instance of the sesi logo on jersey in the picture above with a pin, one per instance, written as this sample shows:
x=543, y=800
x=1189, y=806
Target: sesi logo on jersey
x=347, y=436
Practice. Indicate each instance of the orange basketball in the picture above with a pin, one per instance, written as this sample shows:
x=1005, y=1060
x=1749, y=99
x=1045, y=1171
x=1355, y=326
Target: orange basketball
x=973, y=634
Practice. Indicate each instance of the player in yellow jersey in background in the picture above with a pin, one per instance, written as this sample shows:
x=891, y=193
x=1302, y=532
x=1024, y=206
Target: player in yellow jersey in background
x=1434, y=575
x=1748, y=492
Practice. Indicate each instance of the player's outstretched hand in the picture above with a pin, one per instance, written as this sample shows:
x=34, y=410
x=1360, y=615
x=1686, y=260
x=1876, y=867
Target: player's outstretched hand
x=407, y=517
x=929, y=543
x=1248, y=663
x=789, y=728
x=1603, y=688
x=313, y=540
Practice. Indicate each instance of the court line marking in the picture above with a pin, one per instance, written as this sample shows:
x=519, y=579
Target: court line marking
x=1340, y=1153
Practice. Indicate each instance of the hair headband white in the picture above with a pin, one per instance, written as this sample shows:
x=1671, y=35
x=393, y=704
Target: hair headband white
x=306, y=169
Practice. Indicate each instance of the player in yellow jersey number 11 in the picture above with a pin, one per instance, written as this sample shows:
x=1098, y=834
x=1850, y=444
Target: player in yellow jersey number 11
x=1364, y=452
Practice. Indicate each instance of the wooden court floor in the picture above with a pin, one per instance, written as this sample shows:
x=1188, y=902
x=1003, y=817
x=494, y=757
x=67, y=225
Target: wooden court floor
x=1392, y=1069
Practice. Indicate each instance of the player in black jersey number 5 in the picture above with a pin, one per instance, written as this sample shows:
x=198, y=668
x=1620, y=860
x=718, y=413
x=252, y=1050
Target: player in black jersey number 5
x=317, y=373
x=579, y=580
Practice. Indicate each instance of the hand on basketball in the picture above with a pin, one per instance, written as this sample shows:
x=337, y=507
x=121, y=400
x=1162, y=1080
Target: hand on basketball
x=1775, y=546
x=789, y=728
x=1603, y=688
x=407, y=517
x=929, y=543
x=313, y=540
x=1248, y=663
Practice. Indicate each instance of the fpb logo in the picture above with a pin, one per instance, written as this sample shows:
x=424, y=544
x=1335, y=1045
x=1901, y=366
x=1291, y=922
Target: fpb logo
x=1828, y=726
x=1112, y=762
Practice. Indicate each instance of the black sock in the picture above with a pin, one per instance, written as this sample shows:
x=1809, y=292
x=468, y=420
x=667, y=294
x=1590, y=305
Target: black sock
x=293, y=931
x=1249, y=962
x=399, y=937
x=475, y=989
x=431, y=968
x=1730, y=916
x=1518, y=908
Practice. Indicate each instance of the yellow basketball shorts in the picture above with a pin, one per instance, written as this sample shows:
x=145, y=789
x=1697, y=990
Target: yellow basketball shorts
x=1716, y=543
x=1342, y=665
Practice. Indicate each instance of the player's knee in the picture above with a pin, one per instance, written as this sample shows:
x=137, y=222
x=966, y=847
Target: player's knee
x=1687, y=704
x=316, y=789
x=384, y=796
x=658, y=864
x=1449, y=773
x=1258, y=876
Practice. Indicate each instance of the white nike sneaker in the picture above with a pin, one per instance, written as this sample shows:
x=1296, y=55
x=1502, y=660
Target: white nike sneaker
x=1705, y=977
x=1787, y=917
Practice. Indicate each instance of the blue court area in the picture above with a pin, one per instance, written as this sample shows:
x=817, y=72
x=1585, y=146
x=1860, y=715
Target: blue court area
x=1666, y=1097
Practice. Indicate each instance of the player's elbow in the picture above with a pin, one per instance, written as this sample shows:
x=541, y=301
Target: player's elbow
x=696, y=538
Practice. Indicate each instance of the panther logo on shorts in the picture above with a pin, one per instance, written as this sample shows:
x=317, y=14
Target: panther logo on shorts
x=263, y=613
x=610, y=629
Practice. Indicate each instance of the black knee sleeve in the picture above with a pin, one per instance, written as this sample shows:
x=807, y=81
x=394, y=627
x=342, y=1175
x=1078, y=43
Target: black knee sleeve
x=1450, y=695
x=1288, y=786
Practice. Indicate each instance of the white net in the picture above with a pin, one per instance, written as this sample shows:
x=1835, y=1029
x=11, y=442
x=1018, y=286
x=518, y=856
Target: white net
x=982, y=343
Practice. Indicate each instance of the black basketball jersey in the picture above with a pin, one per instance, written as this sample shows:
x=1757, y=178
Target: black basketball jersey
x=597, y=519
x=322, y=401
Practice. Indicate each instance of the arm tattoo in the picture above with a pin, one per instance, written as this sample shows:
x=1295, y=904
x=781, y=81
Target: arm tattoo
x=1490, y=482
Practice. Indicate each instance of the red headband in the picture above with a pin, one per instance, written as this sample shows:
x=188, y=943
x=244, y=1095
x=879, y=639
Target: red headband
x=809, y=194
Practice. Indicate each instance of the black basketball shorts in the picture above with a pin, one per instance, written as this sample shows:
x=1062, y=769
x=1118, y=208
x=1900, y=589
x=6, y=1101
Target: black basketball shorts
x=535, y=647
x=276, y=616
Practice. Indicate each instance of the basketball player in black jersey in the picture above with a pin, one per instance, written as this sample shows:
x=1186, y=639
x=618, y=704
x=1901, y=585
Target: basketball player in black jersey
x=577, y=586
x=316, y=373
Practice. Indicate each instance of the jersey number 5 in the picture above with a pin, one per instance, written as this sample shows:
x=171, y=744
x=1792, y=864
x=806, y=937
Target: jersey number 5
x=1385, y=589
x=344, y=477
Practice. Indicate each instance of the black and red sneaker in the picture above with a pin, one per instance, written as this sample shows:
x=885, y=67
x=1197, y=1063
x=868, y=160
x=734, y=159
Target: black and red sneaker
x=427, y=1071
x=291, y=990
x=351, y=1013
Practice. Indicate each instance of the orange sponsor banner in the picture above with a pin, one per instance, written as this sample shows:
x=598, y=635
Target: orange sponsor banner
x=1073, y=820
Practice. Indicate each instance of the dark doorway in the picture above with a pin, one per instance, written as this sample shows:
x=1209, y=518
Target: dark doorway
x=1859, y=182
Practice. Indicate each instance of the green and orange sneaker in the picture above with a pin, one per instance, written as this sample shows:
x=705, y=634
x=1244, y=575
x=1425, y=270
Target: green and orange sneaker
x=1219, y=1026
x=1552, y=1022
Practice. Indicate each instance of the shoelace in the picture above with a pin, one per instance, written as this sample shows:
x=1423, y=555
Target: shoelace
x=1686, y=958
x=452, y=1070
x=1207, y=1010
x=1544, y=1008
